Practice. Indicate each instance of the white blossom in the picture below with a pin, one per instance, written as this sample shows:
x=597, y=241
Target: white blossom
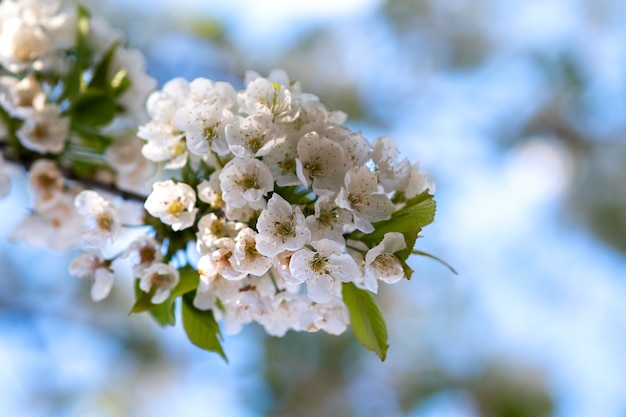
x=253, y=136
x=45, y=130
x=263, y=96
x=323, y=268
x=246, y=182
x=394, y=174
x=101, y=217
x=241, y=307
x=211, y=228
x=381, y=263
x=321, y=163
x=214, y=287
x=284, y=311
x=257, y=159
x=32, y=33
x=282, y=162
x=132, y=170
x=203, y=125
x=132, y=101
x=246, y=257
x=209, y=191
x=22, y=45
x=313, y=116
x=160, y=278
x=418, y=182
x=173, y=203
x=46, y=184
x=203, y=90
x=332, y=317
x=355, y=147
x=276, y=75
x=143, y=252
x=164, y=142
x=281, y=227
x=218, y=262
x=56, y=225
x=92, y=265
x=20, y=98
x=360, y=197
x=329, y=220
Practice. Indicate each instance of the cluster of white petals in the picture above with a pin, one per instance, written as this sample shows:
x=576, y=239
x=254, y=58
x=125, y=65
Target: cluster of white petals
x=259, y=205
x=45, y=86
x=281, y=185
x=71, y=98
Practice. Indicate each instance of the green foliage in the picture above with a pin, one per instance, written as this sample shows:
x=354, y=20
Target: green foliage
x=79, y=59
x=163, y=313
x=93, y=106
x=100, y=78
x=188, y=281
x=193, y=176
x=366, y=320
x=295, y=194
x=417, y=213
x=201, y=327
x=91, y=137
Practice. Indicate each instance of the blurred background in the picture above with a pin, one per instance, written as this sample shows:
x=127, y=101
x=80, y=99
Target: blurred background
x=517, y=111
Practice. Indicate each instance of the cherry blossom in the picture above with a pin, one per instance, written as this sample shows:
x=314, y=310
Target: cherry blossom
x=245, y=182
x=361, y=197
x=281, y=227
x=381, y=263
x=173, y=203
x=92, y=265
x=101, y=217
x=160, y=278
x=257, y=204
x=321, y=269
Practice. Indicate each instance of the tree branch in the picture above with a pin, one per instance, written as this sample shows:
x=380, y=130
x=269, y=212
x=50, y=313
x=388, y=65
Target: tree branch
x=26, y=160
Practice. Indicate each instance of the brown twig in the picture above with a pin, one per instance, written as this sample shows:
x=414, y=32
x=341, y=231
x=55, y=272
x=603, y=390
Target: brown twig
x=26, y=160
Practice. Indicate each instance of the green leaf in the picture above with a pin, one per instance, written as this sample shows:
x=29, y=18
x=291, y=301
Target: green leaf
x=84, y=169
x=201, y=328
x=79, y=59
x=417, y=213
x=421, y=208
x=163, y=313
x=142, y=300
x=408, y=271
x=100, y=78
x=91, y=137
x=366, y=320
x=94, y=107
x=12, y=125
x=188, y=281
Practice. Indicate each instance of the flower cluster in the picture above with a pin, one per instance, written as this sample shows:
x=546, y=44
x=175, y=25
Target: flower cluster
x=71, y=92
x=71, y=97
x=285, y=205
x=268, y=209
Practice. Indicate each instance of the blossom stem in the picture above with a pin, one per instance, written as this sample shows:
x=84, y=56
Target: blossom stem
x=441, y=261
x=356, y=249
x=278, y=290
